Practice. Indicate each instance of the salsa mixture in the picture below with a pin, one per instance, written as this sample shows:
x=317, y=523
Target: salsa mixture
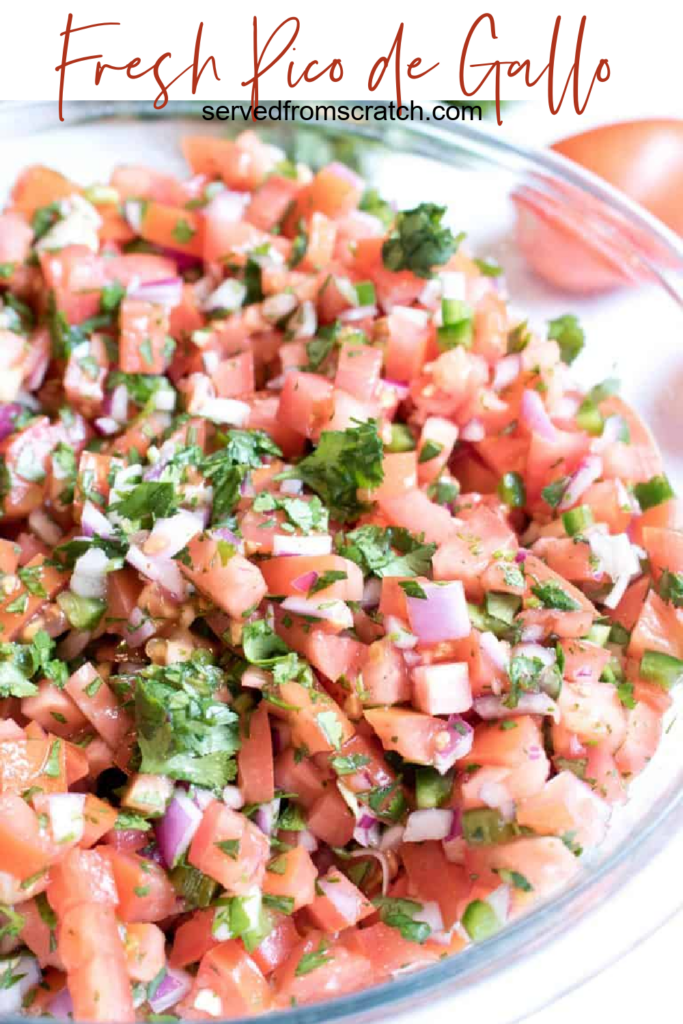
x=335, y=619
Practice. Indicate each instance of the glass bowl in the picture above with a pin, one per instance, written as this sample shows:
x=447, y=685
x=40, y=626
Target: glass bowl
x=631, y=885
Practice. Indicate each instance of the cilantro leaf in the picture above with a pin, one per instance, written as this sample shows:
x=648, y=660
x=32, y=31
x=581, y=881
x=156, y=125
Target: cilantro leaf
x=419, y=241
x=569, y=335
x=311, y=961
x=226, y=468
x=400, y=914
x=147, y=501
x=372, y=202
x=671, y=588
x=184, y=732
x=390, y=551
x=261, y=644
x=551, y=595
x=344, y=462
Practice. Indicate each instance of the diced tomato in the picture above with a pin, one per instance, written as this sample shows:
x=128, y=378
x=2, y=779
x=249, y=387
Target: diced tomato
x=238, y=870
x=292, y=875
x=255, y=758
x=143, y=343
x=235, y=585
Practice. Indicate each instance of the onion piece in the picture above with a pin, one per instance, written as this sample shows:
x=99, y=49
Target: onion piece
x=229, y=295
x=27, y=972
x=588, y=472
x=490, y=708
x=167, y=292
x=460, y=736
x=67, y=816
x=139, y=628
x=618, y=558
x=349, y=316
x=62, y=1006
x=89, y=577
x=224, y=410
x=432, y=823
x=473, y=431
x=44, y=527
x=171, y=534
x=95, y=523
x=266, y=816
x=175, y=831
x=160, y=569
x=232, y=797
x=8, y=414
x=535, y=417
x=173, y=987
x=312, y=544
x=442, y=613
x=328, y=611
x=506, y=372
x=398, y=633
x=381, y=859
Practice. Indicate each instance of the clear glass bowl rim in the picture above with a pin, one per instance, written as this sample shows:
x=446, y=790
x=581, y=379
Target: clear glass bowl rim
x=664, y=819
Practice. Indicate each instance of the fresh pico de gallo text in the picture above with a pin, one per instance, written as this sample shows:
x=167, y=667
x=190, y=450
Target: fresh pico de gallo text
x=335, y=620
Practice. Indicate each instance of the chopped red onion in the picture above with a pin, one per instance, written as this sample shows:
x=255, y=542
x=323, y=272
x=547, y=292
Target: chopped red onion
x=292, y=486
x=62, y=1005
x=441, y=615
x=227, y=206
x=497, y=650
x=167, y=293
x=372, y=592
x=175, y=831
x=106, y=426
x=312, y=544
x=229, y=295
x=535, y=417
x=473, y=431
x=44, y=527
x=381, y=859
x=170, y=535
x=305, y=581
x=118, y=404
x=277, y=307
x=392, y=837
x=89, y=578
x=306, y=839
x=327, y=610
x=497, y=796
x=402, y=390
x=173, y=987
x=588, y=472
x=232, y=797
x=499, y=901
x=8, y=414
x=67, y=816
x=532, y=650
x=430, y=914
x=367, y=832
x=27, y=972
x=95, y=523
x=399, y=635
x=491, y=708
x=139, y=628
x=615, y=429
x=433, y=823
x=159, y=568
x=459, y=745
x=453, y=284
x=266, y=816
x=224, y=410
x=507, y=371
x=254, y=678
x=202, y=797
x=349, y=316
x=304, y=322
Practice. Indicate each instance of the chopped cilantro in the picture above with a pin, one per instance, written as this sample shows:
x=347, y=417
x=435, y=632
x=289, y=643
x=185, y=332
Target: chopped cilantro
x=390, y=551
x=419, y=242
x=344, y=462
x=569, y=335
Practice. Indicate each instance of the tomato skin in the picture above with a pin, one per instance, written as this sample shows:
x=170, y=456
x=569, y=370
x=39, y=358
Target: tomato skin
x=344, y=971
x=100, y=707
x=282, y=573
x=145, y=893
x=82, y=877
x=144, y=331
x=255, y=758
x=239, y=874
x=235, y=587
x=24, y=848
x=229, y=972
x=193, y=938
x=93, y=954
x=277, y=946
x=144, y=946
x=296, y=881
x=643, y=158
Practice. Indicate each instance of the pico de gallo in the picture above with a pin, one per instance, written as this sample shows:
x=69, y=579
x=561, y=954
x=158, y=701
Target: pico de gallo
x=335, y=619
